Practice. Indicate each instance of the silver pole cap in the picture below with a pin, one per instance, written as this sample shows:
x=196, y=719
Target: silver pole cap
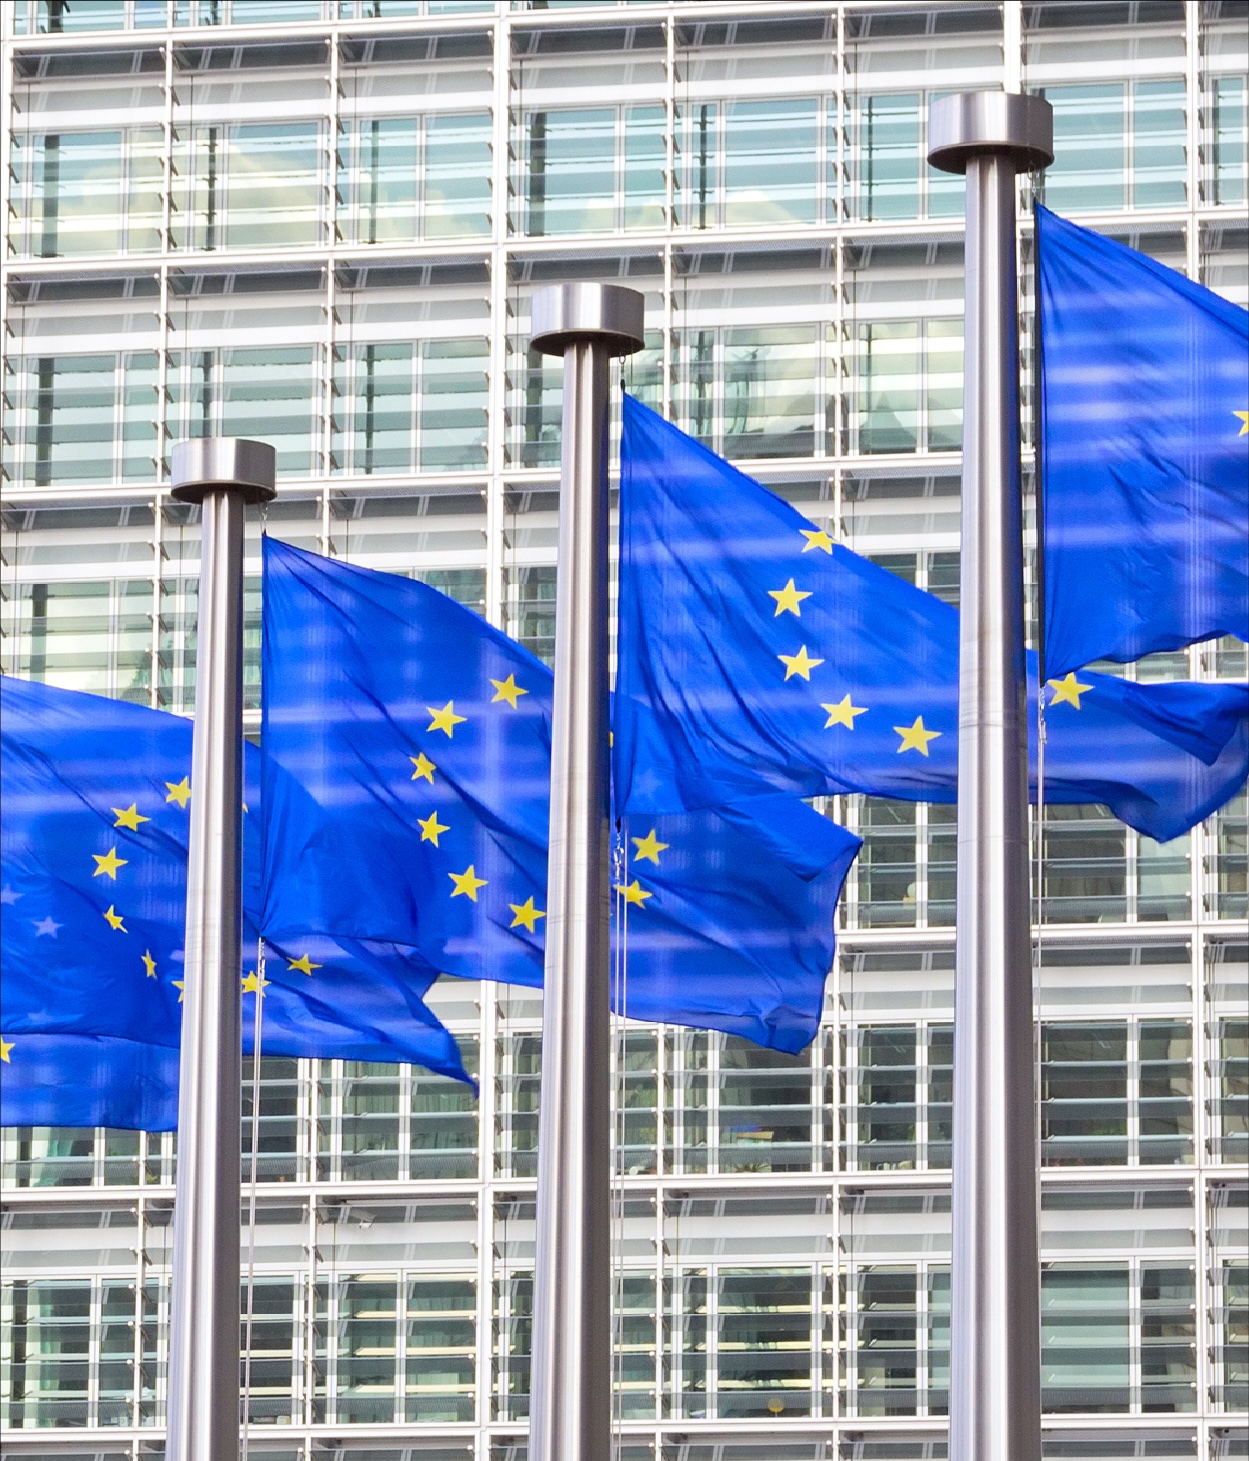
x=975, y=123
x=607, y=314
x=208, y=462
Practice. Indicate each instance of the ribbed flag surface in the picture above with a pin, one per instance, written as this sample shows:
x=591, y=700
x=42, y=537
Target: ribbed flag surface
x=756, y=655
x=1145, y=452
x=95, y=815
x=407, y=753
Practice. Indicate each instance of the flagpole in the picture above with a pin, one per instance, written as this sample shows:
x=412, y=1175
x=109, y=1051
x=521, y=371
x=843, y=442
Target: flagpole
x=570, y=1392
x=223, y=475
x=995, y=1384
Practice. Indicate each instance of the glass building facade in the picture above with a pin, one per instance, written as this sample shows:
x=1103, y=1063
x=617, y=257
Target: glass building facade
x=319, y=222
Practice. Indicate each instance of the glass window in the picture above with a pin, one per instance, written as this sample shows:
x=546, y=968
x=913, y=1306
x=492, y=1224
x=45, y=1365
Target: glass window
x=769, y=392
x=569, y=181
x=443, y=1123
x=700, y=166
x=441, y=1346
x=1084, y=1094
x=253, y=186
x=53, y=1320
x=888, y=157
x=84, y=418
x=770, y=162
x=1090, y=161
x=1230, y=149
x=764, y=1344
x=896, y=1095
x=765, y=1099
x=1159, y=150
x=270, y=1314
x=278, y=1137
x=645, y=164
x=79, y=193
x=1084, y=870
x=93, y=636
x=889, y=377
x=886, y=872
x=413, y=407
x=266, y=392
x=1086, y=1349
x=408, y=178
x=943, y=381
x=1229, y=1070
x=1231, y=1353
x=636, y=1095
x=1228, y=859
x=365, y=1350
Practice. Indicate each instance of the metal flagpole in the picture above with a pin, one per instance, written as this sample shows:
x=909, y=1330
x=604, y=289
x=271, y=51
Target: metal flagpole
x=223, y=475
x=995, y=1383
x=570, y=1394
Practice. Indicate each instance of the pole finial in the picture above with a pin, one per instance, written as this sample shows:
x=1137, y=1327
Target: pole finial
x=205, y=462
x=606, y=314
x=1006, y=123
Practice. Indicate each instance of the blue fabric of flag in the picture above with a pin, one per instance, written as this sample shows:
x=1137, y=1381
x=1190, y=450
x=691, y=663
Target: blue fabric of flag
x=1145, y=453
x=756, y=655
x=95, y=816
x=407, y=750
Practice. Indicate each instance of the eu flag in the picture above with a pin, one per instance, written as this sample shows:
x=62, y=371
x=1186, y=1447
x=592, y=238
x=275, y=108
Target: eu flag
x=407, y=755
x=757, y=655
x=95, y=818
x=1145, y=453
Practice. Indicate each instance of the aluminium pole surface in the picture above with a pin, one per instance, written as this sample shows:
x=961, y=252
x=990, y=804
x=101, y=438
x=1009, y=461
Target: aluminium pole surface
x=995, y=1379
x=571, y=1390
x=223, y=475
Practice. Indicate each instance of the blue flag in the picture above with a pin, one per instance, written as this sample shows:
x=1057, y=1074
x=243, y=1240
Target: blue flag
x=95, y=817
x=1145, y=453
x=407, y=754
x=756, y=655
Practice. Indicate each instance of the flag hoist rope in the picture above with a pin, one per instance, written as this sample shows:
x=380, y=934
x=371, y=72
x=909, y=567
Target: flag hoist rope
x=257, y=1026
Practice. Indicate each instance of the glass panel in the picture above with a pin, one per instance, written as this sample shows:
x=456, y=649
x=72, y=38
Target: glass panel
x=458, y=168
x=441, y=1349
x=944, y=384
x=365, y=1351
x=1230, y=1106
x=1085, y=1339
x=886, y=869
x=770, y=162
x=769, y=392
x=1084, y=873
x=569, y=183
x=888, y=157
x=1084, y=1094
x=765, y=1109
x=1159, y=172
x=1230, y=161
x=644, y=165
x=888, y=400
x=1089, y=164
x=269, y=1367
x=78, y=193
x=254, y=186
x=764, y=1344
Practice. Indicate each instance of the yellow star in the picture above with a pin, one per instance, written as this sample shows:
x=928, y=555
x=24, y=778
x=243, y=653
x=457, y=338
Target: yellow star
x=1067, y=691
x=179, y=791
x=915, y=737
x=788, y=599
x=843, y=713
x=254, y=983
x=817, y=538
x=304, y=964
x=149, y=965
x=180, y=986
x=634, y=893
x=431, y=828
x=108, y=863
x=467, y=882
x=526, y=915
x=130, y=818
x=5, y=1047
x=507, y=690
x=648, y=848
x=1244, y=422
x=799, y=664
x=424, y=767
x=113, y=919
x=445, y=719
